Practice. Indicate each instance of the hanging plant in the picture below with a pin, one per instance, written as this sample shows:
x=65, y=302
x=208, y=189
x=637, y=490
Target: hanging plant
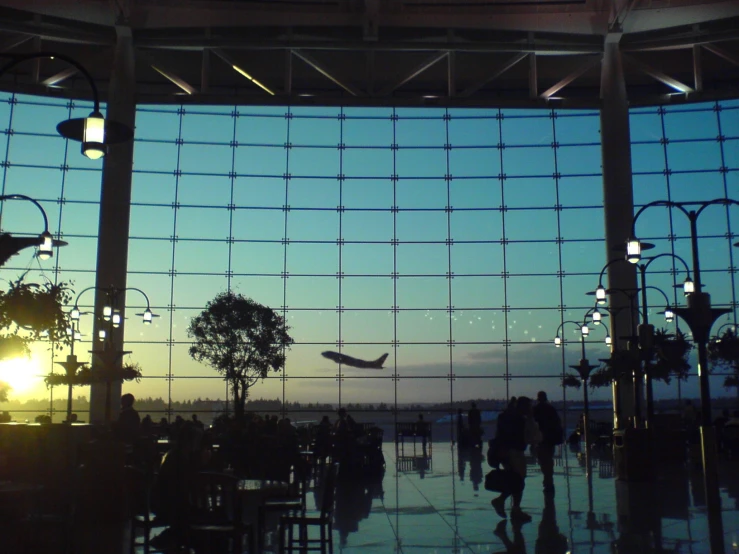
x=571, y=380
x=723, y=353
x=86, y=376
x=37, y=308
x=671, y=356
x=620, y=364
x=129, y=372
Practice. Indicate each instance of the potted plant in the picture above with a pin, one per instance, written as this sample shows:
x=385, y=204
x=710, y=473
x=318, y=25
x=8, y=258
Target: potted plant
x=670, y=358
x=36, y=308
x=723, y=353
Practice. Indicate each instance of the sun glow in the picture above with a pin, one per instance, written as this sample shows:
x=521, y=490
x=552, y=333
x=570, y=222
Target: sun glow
x=22, y=374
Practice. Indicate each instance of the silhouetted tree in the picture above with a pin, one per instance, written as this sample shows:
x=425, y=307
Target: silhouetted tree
x=242, y=340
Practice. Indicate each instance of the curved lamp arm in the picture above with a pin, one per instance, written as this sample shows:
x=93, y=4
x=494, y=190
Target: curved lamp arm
x=20, y=58
x=108, y=311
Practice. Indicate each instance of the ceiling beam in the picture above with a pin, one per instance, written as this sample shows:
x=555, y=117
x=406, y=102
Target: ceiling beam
x=415, y=72
x=722, y=53
x=658, y=75
x=554, y=89
x=513, y=60
x=323, y=71
x=518, y=42
x=221, y=54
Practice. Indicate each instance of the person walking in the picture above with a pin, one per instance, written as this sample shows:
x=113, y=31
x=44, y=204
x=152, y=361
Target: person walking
x=511, y=440
x=550, y=425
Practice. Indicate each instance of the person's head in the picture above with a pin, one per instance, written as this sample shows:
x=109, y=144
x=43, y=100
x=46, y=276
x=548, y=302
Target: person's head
x=342, y=413
x=524, y=404
x=541, y=396
x=325, y=419
x=127, y=400
x=73, y=418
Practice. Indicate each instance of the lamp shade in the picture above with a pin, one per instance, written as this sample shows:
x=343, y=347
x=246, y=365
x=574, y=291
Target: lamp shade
x=633, y=251
x=148, y=316
x=46, y=248
x=609, y=340
x=669, y=315
x=557, y=341
x=585, y=330
x=597, y=317
x=75, y=313
x=688, y=286
x=95, y=133
x=600, y=294
x=107, y=313
x=93, y=137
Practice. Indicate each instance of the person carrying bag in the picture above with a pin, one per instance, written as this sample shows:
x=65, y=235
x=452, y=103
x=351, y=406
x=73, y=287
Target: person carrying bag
x=508, y=448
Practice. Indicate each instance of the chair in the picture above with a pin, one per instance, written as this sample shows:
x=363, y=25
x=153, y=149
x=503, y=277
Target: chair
x=324, y=521
x=139, y=486
x=217, y=510
x=293, y=501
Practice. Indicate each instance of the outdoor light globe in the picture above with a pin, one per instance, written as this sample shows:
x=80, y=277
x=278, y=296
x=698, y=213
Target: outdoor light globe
x=669, y=315
x=148, y=317
x=688, y=286
x=77, y=335
x=75, y=313
x=107, y=313
x=101, y=334
x=600, y=294
x=116, y=319
x=584, y=330
x=597, y=317
x=93, y=137
x=633, y=251
x=557, y=341
x=609, y=340
x=46, y=248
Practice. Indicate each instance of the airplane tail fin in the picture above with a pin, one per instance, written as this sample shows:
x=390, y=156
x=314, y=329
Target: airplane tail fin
x=381, y=360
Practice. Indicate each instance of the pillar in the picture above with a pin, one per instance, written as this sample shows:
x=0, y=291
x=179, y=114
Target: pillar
x=618, y=201
x=115, y=211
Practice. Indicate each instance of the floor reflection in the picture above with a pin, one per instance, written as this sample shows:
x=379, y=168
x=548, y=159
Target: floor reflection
x=437, y=504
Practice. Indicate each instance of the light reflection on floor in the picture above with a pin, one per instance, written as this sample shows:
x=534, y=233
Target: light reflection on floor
x=440, y=506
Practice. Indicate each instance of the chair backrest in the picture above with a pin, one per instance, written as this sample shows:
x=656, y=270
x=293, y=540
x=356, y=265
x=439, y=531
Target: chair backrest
x=214, y=495
x=329, y=491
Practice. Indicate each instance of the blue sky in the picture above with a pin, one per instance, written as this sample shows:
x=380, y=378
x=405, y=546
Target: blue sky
x=476, y=192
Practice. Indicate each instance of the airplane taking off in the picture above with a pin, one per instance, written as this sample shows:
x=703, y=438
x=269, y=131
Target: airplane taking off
x=354, y=362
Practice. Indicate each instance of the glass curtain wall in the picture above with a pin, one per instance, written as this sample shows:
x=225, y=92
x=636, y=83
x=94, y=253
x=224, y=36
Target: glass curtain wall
x=457, y=241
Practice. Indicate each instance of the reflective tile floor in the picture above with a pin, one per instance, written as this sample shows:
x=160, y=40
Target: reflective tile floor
x=437, y=504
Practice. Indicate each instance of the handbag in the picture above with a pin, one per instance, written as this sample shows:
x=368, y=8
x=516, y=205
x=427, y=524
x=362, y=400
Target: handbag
x=505, y=481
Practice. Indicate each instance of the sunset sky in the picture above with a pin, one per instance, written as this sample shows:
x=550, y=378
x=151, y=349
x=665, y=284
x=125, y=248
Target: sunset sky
x=294, y=207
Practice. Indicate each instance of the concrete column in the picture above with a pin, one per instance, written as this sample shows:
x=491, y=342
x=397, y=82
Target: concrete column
x=115, y=211
x=618, y=200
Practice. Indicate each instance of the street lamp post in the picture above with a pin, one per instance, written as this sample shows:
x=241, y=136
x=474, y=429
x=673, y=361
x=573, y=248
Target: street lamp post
x=71, y=365
x=94, y=132
x=645, y=334
x=700, y=317
x=584, y=368
x=108, y=356
x=10, y=245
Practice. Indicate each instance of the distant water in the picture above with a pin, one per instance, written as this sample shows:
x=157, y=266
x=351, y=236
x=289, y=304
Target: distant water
x=487, y=416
